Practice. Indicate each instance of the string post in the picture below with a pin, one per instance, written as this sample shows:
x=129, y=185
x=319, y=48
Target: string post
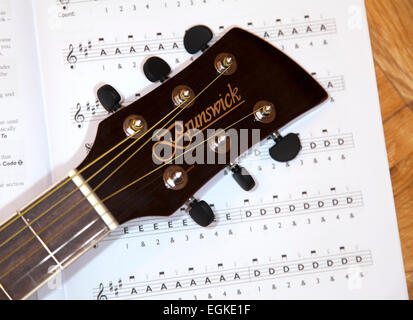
x=182, y=96
x=264, y=111
x=225, y=63
x=134, y=126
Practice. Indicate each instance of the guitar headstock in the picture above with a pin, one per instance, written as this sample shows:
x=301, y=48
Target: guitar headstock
x=240, y=83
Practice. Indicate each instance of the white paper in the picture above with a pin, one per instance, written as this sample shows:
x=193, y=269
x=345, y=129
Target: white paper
x=24, y=158
x=323, y=226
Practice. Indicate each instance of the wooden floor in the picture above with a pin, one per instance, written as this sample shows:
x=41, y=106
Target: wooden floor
x=391, y=29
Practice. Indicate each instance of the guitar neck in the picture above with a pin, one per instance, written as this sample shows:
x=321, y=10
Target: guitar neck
x=48, y=234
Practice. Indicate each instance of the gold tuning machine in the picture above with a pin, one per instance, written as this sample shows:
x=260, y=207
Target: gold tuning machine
x=183, y=96
x=226, y=62
x=264, y=111
x=175, y=177
x=134, y=126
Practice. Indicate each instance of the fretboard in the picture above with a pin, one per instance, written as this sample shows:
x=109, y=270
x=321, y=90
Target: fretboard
x=47, y=235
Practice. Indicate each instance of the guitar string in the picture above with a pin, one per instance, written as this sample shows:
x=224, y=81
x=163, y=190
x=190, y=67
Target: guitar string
x=67, y=195
x=113, y=195
x=110, y=175
x=116, y=157
x=170, y=161
x=51, y=192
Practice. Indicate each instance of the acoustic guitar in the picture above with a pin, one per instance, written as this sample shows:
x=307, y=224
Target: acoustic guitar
x=151, y=157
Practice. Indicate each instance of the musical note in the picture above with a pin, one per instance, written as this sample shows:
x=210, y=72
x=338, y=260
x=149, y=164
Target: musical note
x=79, y=117
x=162, y=43
x=101, y=296
x=71, y=58
x=256, y=270
x=87, y=112
x=91, y=109
x=85, y=50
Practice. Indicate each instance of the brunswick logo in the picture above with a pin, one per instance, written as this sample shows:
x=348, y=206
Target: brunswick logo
x=190, y=133
x=226, y=102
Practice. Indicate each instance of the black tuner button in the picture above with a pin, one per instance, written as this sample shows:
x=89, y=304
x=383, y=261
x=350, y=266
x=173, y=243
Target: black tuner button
x=156, y=69
x=286, y=148
x=109, y=98
x=197, y=38
x=201, y=212
x=242, y=177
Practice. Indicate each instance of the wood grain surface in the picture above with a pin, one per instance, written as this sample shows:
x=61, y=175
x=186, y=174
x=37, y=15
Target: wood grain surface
x=391, y=30
x=66, y=230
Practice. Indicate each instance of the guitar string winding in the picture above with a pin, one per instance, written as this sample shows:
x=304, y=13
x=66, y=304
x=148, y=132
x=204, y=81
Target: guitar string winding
x=108, y=177
x=70, y=193
x=116, y=193
x=51, y=192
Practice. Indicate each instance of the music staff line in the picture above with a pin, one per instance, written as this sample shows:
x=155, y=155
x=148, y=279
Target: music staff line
x=225, y=217
x=88, y=113
x=93, y=111
x=275, y=202
x=239, y=271
x=256, y=265
x=101, y=51
x=234, y=276
x=313, y=145
x=333, y=83
x=293, y=29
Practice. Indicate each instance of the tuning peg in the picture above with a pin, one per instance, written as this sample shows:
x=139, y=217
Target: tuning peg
x=201, y=212
x=109, y=98
x=197, y=38
x=286, y=148
x=242, y=177
x=156, y=69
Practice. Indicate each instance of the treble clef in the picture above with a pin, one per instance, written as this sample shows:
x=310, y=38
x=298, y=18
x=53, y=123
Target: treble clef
x=100, y=295
x=79, y=117
x=71, y=58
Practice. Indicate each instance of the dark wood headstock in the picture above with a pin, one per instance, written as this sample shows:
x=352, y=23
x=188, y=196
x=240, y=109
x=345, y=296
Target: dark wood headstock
x=262, y=73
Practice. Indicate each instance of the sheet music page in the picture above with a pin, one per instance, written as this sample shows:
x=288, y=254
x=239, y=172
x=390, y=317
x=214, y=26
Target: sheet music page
x=24, y=157
x=321, y=226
